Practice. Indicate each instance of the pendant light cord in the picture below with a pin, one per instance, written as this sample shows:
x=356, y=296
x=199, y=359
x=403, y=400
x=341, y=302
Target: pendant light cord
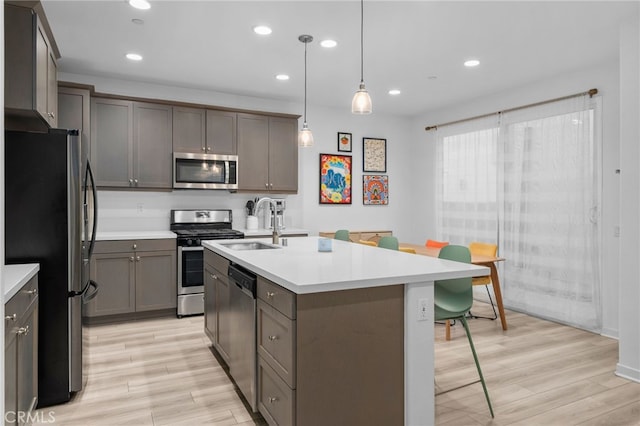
x=361, y=41
x=305, y=82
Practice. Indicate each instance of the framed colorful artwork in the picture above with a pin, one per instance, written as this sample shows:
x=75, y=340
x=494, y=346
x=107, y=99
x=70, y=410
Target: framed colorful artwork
x=375, y=189
x=344, y=142
x=335, y=179
x=374, y=155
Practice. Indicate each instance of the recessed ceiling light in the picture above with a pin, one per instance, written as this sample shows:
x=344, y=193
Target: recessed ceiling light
x=394, y=92
x=471, y=63
x=137, y=21
x=140, y=4
x=328, y=43
x=262, y=30
x=134, y=57
x=282, y=77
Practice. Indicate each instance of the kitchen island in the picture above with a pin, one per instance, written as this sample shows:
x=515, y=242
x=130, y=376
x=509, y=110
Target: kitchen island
x=362, y=325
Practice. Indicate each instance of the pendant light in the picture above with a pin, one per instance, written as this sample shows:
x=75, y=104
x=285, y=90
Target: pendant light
x=305, y=138
x=361, y=103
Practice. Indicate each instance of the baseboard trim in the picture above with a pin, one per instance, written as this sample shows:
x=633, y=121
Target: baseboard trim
x=628, y=373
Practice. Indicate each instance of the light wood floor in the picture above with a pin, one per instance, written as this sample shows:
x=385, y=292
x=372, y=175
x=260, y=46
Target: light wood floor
x=162, y=372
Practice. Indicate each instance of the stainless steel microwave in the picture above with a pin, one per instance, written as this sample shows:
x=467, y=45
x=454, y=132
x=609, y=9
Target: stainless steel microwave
x=205, y=171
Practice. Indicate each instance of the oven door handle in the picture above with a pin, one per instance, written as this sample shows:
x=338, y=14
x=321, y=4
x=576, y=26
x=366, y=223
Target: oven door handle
x=199, y=248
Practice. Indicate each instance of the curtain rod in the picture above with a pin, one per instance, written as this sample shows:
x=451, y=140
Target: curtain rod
x=591, y=93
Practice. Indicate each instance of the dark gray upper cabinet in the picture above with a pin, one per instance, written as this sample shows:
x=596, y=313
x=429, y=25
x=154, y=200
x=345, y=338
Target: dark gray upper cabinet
x=112, y=142
x=74, y=105
x=221, y=132
x=267, y=154
x=203, y=131
x=30, y=87
x=131, y=144
x=189, y=130
x=152, y=146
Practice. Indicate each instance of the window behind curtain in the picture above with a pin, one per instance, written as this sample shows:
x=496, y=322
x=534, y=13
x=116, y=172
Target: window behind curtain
x=539, y=202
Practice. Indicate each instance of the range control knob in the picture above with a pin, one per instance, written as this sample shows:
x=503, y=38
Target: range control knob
x=189, y=242
x=197, y=241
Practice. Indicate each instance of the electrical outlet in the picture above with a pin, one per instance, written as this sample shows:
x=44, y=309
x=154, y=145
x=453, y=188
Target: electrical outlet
x=423, y=309
x=616, y=231
x=140, y=208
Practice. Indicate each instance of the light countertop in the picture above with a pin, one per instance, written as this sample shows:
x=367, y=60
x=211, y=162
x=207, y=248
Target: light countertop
x=134, y=235
x=301, y=268
x=15, y=276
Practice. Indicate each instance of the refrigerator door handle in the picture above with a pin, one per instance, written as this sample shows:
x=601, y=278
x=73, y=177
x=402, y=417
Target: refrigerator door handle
x=94, y=192
x=88, y=295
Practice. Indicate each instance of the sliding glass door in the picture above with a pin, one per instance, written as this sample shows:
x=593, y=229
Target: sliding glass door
x=542, y=194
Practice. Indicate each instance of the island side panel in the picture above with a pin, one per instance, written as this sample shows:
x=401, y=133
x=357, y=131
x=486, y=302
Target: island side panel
x=350, y=354
x=419, y=355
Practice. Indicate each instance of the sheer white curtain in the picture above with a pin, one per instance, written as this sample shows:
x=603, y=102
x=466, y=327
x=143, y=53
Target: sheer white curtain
x=529, y=180
x=466, y=179
x=549, y=196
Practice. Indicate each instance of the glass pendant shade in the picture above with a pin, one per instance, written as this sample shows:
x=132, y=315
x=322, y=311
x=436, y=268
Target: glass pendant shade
x=361, y=103
x=305, y=137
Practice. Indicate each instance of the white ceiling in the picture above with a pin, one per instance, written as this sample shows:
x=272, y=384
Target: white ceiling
x=210, y=45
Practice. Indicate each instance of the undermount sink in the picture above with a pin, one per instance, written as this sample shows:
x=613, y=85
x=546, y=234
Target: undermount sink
x=249, y=245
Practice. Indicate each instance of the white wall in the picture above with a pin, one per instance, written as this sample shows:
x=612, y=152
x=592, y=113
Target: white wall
x=629, y=347
x=605, y=78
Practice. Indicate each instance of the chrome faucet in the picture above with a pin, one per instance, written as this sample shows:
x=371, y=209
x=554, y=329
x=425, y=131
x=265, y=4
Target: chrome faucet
x=276, y=228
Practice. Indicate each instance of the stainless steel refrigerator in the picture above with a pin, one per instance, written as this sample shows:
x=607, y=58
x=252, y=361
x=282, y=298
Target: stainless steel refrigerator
x=50, y=219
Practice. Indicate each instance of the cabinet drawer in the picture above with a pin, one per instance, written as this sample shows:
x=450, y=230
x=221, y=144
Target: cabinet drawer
x=278, y=297
x=276, y=401
x=123, y=246
x=276, y=342
x=216, y=261
x=19, y=303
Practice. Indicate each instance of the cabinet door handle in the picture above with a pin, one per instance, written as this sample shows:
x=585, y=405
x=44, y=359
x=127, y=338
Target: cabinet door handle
x=131, y=259
x=53, y=115
x=270, y=294
x=272, y=338
x=215, y=277
x=23, y=331
x=270, y=186
x=266, y=185
x=13, y=317
x=137, y=258
x=32, y=292
x=272, y=399
x=208, y=148
x=203, y=148
x=135, y=181
x=135, y=246
x=130, y=182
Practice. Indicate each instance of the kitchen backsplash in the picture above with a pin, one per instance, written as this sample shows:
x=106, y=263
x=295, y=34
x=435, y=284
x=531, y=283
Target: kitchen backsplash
x=150, y=211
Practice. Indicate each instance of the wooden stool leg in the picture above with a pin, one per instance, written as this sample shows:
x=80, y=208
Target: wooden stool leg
x=447, y=333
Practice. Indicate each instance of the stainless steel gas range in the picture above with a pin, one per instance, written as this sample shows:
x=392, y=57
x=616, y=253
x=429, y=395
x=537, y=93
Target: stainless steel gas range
x=192, y=227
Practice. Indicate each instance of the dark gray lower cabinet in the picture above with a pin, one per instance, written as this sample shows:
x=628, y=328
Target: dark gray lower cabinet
x=21, y=354
x=133, y=276
x=217, y=298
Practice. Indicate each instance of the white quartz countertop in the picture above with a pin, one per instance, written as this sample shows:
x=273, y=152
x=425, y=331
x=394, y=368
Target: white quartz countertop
x=301, y=268
x=15, y=276
x=267, y=232
x=134, y=235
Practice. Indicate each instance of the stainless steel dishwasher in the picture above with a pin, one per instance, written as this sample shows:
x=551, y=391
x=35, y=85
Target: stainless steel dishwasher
x=242, y=356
